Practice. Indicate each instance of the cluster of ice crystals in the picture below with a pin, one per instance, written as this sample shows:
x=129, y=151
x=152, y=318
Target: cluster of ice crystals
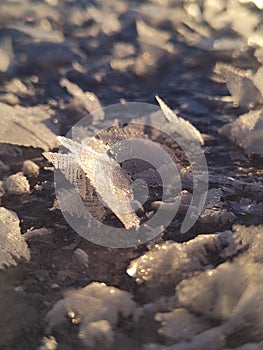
x=225, y=291
x=96, y=308
x=169, y=262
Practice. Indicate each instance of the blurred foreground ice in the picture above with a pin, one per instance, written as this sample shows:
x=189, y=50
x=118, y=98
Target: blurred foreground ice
x=218, y=296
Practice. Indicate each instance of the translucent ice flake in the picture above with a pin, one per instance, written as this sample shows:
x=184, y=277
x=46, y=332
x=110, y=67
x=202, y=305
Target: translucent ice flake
x=88, y=99
x=245, y=87
x=12, y=244
x=105, y=174
x=186, y=129
x=25, y=126
x=246, y=132
x=96, y=308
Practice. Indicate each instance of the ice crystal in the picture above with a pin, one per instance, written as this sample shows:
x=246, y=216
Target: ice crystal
x=169, y=262
x=91, y=162
x=96, y=308
x=246, y=132
x=13, y=246
x=24, y=126
x=17, y=184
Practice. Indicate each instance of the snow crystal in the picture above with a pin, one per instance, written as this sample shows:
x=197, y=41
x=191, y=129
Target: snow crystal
x=244, y=86
x=30, y=168
x=232, y=292
x=13, y=246
x=179, y=324
x=251, y=239
x=48, y=344
x=88, y=99
x=168, y=262
x=17, y=184
x=212, y=339
x=96, y=308
x=200, y=293
x=246, y=132
x=189, y=132
x=6, y=54
x=229, y=294
x=24, y=126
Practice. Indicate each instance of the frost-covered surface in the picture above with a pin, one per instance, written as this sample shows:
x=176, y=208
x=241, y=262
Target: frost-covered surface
x=60, y=60
x=97, y=308
x=12, y=244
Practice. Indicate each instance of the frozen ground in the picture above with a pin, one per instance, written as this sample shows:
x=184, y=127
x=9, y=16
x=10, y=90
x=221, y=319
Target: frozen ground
x=59, y=61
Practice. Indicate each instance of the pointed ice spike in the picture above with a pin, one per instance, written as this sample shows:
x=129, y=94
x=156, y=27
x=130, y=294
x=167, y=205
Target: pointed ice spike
x=183, y=126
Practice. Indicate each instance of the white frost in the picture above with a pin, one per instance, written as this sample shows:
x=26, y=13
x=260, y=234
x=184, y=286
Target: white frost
x=25, y=126
x=96, y=307
x=246, y=132
x=180, y=324
x=12, y=244
x=169, y=262
x=17, y=184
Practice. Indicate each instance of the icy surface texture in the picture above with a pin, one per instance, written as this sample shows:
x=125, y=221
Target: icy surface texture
x=12, y=244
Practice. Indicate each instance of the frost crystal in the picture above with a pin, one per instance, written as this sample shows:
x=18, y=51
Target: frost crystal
x=168, y=262
x=17, y=184
x=12, y=244
x=189, y=132
x=179, y=324
x=246, y=132
x=199, y=294
x=30, y=168
x=230, y=294
x=96, y=307
x=24, y=126
x=89, y=100
x=105, y=174
x=245, y=87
